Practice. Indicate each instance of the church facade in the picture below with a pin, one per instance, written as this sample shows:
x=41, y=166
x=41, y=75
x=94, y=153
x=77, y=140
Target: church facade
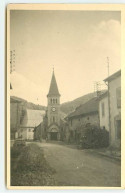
x=53, y=111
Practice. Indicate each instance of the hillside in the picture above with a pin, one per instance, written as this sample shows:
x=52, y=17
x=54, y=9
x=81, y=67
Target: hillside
x=66, y=107
x=69, y=107
x=29, y=105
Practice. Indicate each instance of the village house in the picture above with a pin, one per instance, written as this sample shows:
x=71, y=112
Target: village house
x=40, y=131
x=17, y=110
x=32, y=119
x=65, y=132
x=114, y=101
x=104, y=111
x=86, y=114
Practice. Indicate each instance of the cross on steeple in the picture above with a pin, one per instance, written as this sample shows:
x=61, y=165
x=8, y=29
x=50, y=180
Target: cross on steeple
x=53, y=68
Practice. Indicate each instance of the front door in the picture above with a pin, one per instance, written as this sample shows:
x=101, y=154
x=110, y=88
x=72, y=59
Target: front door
x=53, y=135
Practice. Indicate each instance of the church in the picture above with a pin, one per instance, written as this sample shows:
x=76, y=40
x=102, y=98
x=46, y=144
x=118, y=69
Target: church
x=51, y=128
x=53, y=111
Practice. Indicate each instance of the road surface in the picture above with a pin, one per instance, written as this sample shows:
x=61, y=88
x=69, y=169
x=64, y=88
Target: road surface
x=76, y=167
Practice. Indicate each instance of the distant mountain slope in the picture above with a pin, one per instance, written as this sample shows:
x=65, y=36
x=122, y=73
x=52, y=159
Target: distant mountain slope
x=69, y=107
x=29, y=105
x=66, y=107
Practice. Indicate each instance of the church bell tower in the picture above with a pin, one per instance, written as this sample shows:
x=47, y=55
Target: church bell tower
x=53, y=110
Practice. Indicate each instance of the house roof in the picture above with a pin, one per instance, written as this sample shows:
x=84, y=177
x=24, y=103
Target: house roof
x=33, y=118
x=113, y=76
x=53, y=90
x=89, y=107
x=18, y=99
x=14, y=100
x=105, y=94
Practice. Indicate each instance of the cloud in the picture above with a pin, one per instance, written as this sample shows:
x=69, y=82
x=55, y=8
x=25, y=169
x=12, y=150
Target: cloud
x=103, y=41
x=79, y=56
x=26, y=89
x=106, y=38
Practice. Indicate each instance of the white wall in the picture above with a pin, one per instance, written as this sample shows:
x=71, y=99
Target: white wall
x=26, y=134
x=30, y=134
x=104, y=120
x=114, y=110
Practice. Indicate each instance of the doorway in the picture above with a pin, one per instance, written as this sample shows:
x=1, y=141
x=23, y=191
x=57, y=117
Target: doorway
x=53, y=135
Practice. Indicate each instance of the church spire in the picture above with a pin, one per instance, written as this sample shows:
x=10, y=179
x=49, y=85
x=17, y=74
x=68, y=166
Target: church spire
x=53, y=90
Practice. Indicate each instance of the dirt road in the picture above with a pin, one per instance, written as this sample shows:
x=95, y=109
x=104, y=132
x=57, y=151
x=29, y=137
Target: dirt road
x=76, y=167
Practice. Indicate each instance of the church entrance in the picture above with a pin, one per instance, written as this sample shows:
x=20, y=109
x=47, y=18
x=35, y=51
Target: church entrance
x=53, y=136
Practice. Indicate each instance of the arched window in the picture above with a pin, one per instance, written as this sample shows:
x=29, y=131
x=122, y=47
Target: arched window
x=56, y=100
x=53, y=118
x=53, y=100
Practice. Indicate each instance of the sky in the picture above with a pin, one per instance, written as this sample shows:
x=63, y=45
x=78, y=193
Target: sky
x=76, y=43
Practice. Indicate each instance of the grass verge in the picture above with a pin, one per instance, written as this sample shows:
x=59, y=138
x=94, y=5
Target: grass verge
x=30, y=168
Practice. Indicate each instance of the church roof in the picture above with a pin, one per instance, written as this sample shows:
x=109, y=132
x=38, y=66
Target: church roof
x=53, y=90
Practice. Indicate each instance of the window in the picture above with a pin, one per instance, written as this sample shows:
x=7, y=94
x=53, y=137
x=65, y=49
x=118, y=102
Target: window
x=51, y=100
x=53, y=118
x=118, y=97
x=103, y=109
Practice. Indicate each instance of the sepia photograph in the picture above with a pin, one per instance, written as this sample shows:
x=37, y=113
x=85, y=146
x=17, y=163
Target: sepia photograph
x=63, y=96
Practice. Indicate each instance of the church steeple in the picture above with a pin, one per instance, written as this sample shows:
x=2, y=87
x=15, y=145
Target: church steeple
x=53, y=90
x=53, y=110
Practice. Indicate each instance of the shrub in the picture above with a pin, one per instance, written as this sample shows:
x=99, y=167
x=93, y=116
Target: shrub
x=93, y=137
x=15, y=151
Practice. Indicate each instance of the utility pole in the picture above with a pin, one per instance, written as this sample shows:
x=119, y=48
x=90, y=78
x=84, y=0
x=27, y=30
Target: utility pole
x=12, y=61
x=108, y=65
x=109, y=103
x=97, y=88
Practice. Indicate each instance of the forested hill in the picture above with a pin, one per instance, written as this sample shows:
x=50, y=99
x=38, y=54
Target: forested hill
x=70, y=106
x=66, y=107
x=29, y=105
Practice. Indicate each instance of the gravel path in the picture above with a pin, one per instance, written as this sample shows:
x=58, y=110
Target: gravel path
x=81, y=168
